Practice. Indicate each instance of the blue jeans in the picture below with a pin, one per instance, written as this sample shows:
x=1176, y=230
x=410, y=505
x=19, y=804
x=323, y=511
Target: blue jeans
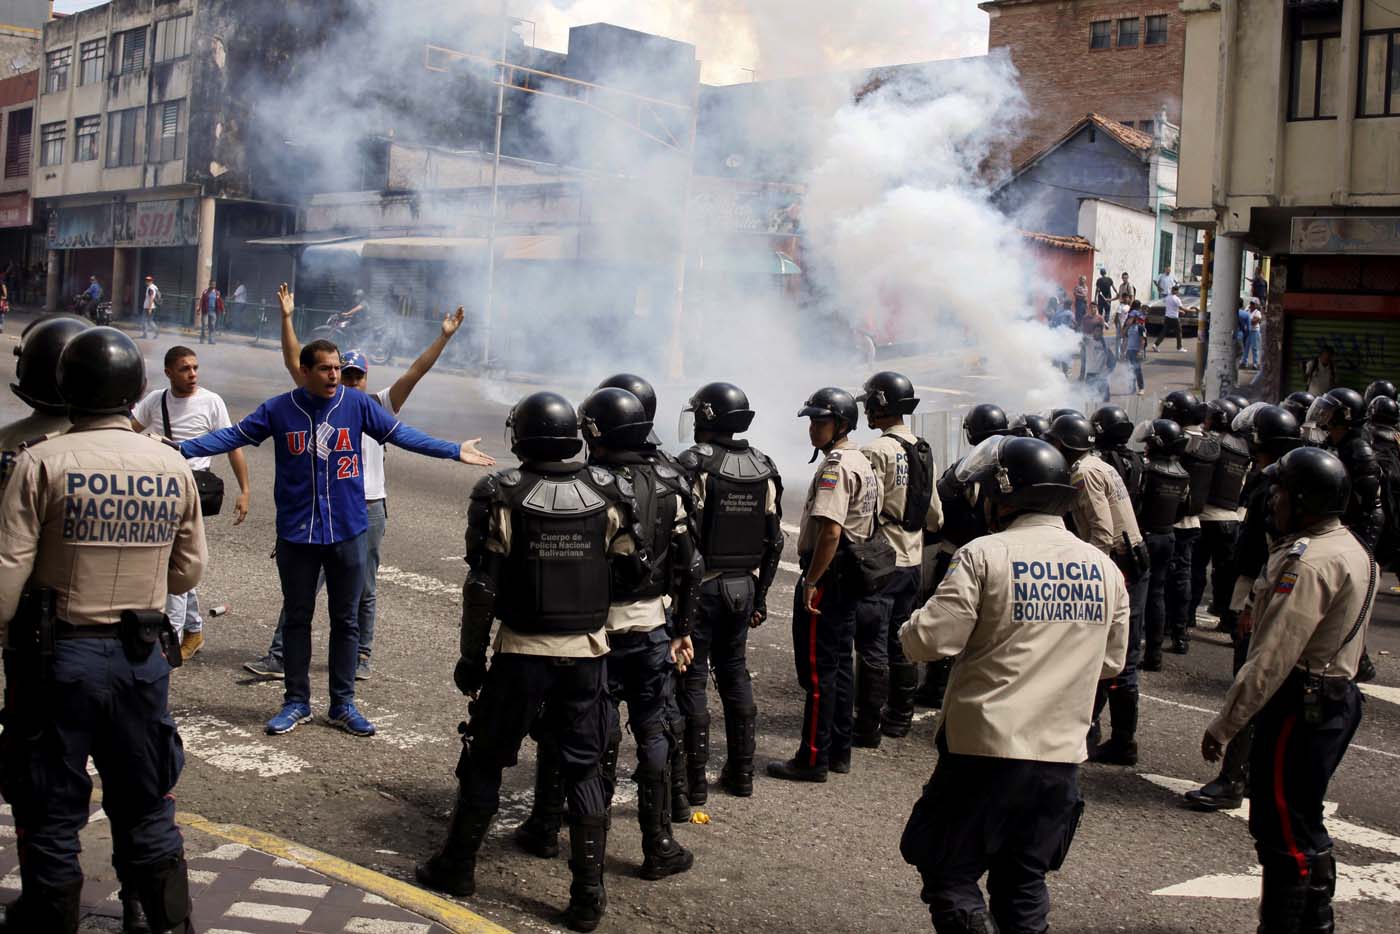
x=300, y=567
x=374, y=536
x=1251, y=348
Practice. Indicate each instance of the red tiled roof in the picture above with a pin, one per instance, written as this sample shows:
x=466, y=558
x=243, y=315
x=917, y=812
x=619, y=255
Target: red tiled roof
x=1073, y=244
x=1135, y=141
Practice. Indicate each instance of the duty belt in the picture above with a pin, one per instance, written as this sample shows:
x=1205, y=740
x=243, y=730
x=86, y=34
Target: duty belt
x=63, y=631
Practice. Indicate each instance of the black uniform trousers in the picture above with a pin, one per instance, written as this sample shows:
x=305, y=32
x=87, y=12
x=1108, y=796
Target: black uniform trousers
x=879, y=616
x=1179, y=617
x=97, y=703
x=1216, y=548
x=721, y=639
x=568, y=696
x=1012, y=819
x=1291, y=763
x=1160, y=547
x=822, y=647
x=640, y=672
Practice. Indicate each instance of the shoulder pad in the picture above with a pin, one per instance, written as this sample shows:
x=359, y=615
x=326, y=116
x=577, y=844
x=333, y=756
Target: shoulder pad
x=745, y=465
x=704, y=450
x=624, y=486
x=34, y=442
x=563, y=497
x=665, y=471
x=834, y=454
x=602, y=476
x=509, y=477
x=488, y=486
x=689, y=459
x=1299, y=547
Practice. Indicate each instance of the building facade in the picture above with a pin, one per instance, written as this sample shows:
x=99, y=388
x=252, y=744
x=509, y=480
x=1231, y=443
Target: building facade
x=1120, y=58
x=1291, y=147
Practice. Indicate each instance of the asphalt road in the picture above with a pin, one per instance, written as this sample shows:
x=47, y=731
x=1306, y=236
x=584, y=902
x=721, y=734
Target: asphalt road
x=792, y=858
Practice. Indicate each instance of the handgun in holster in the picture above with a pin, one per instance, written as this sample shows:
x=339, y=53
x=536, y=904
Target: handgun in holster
x=142, y=630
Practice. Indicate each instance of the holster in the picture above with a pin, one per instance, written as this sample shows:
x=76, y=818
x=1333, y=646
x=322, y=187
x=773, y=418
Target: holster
x=141, y=631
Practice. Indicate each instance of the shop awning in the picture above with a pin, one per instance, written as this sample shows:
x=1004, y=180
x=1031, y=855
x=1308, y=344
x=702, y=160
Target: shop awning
x=306, y=239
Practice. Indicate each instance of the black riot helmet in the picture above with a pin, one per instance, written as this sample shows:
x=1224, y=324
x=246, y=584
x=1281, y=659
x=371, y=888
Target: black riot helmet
x=1379, y=387
x=1058, y=412
x=888, y=393
x=721, y=408
x=543, y=427
x=1383, y=411
x=614, y=418
x=1183, y=408
x=636, y=386
x=1030, y=425
x=1241, y=403
x=985, y=421
x=1026, y=474
x=1315, y=480
x=101, y=372
x=1162, y=437
x=36, y=370
x=1298, y=403
x=1112, y=426
x=1339, y=408
x=1071, y=433
x=1220, y=415
x=1270, y=428
x=832, y=402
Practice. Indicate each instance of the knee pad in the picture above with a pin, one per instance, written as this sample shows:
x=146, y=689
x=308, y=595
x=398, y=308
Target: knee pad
x=164, y=892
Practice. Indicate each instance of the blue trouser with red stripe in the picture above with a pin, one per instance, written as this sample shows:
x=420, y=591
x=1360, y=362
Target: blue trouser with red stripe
x=822, y=646
x=1290, y=765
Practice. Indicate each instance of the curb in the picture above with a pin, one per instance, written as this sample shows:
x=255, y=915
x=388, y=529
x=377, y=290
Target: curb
x=449, y=914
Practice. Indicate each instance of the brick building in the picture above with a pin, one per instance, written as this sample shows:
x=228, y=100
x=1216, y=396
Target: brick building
x=1119, y=58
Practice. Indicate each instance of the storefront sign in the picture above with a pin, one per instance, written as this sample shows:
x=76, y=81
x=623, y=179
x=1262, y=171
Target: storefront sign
x=158, y=223
x=81, y=228
x=15, y=210
x=1360, y=236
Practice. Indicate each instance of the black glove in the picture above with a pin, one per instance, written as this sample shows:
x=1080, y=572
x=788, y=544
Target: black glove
x=470, y=675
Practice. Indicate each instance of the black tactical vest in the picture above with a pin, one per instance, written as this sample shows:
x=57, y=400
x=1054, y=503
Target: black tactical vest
x=557, y=578
x=1199, y=459
x=1164, y=483
x=1227, y=483
x=1129, y=465
x=657, y=489
x=961, y=521
x=734, y=521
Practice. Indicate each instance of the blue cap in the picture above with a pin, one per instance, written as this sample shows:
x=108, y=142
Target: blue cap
x=354, y=360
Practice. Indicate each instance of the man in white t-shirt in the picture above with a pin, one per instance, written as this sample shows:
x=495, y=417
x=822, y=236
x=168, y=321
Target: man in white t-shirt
x=187, y=410
x=149, y=305
x=1171, y=320
x=354, y=374
x=1165, y=283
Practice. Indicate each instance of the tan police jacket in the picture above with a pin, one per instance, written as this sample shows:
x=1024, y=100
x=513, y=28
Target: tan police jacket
x=106, y=517
x=1305, y=603
x=1103, y=512
x=844, y=490
x=1037, y=618
x=891, y=466
x=36, y=426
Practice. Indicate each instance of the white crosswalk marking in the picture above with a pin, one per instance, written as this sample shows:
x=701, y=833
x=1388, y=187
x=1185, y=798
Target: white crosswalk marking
x=234, y=749
x=278, y=914
x=376, y=926
x=287, y=887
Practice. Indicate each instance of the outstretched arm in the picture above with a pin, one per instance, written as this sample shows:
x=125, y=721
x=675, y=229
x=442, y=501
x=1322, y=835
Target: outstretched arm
x=380, y=426
x=291, y=347
x=254, y=430
x=403, y=386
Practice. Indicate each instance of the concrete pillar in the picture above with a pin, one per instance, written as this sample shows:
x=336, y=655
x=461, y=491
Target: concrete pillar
x=53, y=283
x=1221, y=370
x=120, y=288
x=204, y=261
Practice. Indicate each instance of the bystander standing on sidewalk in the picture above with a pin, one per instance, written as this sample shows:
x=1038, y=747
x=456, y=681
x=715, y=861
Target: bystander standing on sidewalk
x=1321, y=371
x=1256, y=331
x=150, y=304
x=208, y=310
x=1171, y=320
x=1081, y=299
x=1127, y=292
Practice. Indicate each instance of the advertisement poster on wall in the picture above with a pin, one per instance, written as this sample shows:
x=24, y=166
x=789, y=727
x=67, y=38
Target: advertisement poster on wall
x=81, y=228
x=157, y=223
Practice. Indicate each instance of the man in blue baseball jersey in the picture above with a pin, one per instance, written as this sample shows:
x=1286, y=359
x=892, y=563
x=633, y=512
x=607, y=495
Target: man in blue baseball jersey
x=321, y=516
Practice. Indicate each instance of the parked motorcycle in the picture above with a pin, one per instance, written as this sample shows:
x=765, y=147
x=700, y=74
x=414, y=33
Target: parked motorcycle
x=100, y=313
x=377, y=339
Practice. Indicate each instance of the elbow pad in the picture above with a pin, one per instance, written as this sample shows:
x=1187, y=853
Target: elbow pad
x=768, y=569
x=689, y=571
x=479, y=608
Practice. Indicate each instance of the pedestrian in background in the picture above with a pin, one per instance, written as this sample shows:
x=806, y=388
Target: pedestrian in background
x=1171, y=320
x=1134, y=342
x=1165, y=283
x=1081, y=298
x=208, y=310
x=1321, y=371
x=149, y=305
x=1104, y=291
x=1256, y=325
x=1126, y=293
x=237, y=301
x=1242, y=331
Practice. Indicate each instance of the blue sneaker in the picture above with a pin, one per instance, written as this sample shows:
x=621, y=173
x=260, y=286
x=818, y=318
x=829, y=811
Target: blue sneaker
x=351, y=720
x=291, y=717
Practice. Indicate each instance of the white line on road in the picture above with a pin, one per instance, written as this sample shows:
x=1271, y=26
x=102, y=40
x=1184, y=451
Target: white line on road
x=233, y=749
x=1212, y=713
x=1382, y=692
x=791, y=529
x=419, y=582
x=789, y=566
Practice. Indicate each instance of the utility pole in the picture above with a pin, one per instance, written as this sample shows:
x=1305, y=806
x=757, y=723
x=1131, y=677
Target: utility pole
x=501, y=75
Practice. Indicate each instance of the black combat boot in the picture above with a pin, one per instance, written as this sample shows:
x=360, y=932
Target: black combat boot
x=56, y=908
x=740, y=731
x=1180, y=643
x=697, y=756
x=588, y=900
x=453, y=868
x=164, y=892
x=539, y=834
x=680, y=804
x=1366, y=669
x=898, y=716
x=1283, y=898
x=930, y=693
x=872, y=689
x=662, y=855
x=1322, y=885
x=1228, y=790
x=133, y=918
x=964, y=922
x=793, y=771
x=1095, y=730
x=1121, y=748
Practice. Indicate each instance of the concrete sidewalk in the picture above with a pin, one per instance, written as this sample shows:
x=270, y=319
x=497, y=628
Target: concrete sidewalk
x=248, y=882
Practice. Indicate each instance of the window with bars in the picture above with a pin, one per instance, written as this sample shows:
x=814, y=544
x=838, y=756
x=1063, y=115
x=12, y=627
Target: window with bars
x=1379, y=86
x=1129, y=33
x=121, y=137
x=133, y=50
x=92, y=61
x=1315, y=47
x=1156, y=33
x=51, y=137
x=56, y=74
x=85, y=134
x=167, y=133
x=1099, y=37
x=173, y=38
x=19, y=143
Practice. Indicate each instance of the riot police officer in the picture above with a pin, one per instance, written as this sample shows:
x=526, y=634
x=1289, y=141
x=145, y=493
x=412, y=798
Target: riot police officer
x=1004, y=797
x=961, y=524
x=737, y=494
x=1103, y=516
x=1220, y=519
x=544, y=544
x=1310, y=611
x=1298, y=404
x=36, y=386
x=1166, y=488
x=1198, y=457
x=1341, y=414
x=1030, y=425
x=885, y=681
x=1113, y=429
x=1270, y=432
x=83, y=673
x=1378, y=388
x=842, y=503
x=1382, y=424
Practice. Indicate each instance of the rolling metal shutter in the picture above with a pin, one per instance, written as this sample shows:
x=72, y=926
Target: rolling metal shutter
x=1367, y=348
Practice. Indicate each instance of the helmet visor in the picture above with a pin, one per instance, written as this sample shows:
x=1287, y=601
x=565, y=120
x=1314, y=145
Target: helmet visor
x=1323, y=411
x=1141, y=433
x=1244, y=422
x=981, y=460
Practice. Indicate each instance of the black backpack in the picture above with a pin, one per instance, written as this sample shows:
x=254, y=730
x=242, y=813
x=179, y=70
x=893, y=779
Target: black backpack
x=918, y=490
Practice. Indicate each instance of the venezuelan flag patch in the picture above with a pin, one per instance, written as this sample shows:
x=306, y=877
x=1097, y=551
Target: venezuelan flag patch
x=1285, y=583
x=828, y=479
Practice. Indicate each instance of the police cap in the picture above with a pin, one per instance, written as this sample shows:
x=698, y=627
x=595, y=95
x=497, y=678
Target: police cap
x=614, y=418
x=721, y=407
x=36, y=370
x=543, y=426
x=101, y=372
x=888, y=393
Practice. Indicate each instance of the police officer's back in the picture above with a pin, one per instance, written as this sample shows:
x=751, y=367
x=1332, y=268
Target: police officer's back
x=36, y=385
x=1341, y=414
x=99, y=524
x=1037, y=618
x=1113, y=429
x=1166, y=488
